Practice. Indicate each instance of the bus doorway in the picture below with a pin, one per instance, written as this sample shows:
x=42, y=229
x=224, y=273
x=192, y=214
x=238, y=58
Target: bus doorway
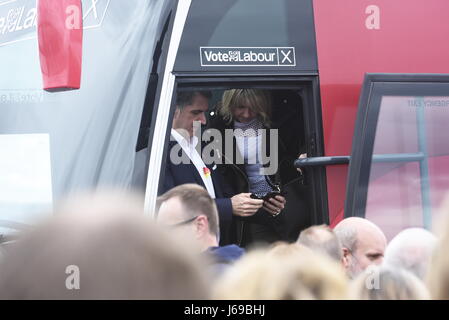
x=245, y=45
x=293, y=127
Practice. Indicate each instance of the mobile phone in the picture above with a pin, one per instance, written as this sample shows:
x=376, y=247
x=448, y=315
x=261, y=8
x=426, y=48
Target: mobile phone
x=267, y=196
x=271, y=195
x=255, y=196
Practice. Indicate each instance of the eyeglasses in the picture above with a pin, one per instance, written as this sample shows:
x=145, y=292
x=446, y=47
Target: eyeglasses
x=182, y=223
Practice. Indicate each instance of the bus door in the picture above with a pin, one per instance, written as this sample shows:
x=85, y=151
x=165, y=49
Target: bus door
x=399, y=169
x=252, y=44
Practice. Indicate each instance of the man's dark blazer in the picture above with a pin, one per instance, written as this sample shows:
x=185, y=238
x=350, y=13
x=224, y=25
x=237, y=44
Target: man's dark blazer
x=177, y=174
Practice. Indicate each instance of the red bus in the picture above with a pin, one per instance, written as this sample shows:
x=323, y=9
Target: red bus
x=367, y=80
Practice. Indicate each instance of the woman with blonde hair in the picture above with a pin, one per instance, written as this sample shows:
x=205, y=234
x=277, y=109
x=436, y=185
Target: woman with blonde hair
x=245, y=106
x=260, y=164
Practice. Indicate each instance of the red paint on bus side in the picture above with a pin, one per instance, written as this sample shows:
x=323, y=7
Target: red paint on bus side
x=412, y=38
x=60, y=34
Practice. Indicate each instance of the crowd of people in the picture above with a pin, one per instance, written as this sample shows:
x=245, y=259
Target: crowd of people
x=118, y=253
x=234, y=228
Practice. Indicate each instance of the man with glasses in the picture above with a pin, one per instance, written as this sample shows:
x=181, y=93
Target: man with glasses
x=190, y=211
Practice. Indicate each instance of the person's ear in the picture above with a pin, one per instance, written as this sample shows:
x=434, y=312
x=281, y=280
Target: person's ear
x=345, y=257
x=201, y=226
x=177, y=112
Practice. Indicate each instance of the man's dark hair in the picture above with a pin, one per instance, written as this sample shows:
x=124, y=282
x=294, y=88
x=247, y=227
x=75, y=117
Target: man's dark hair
x=196, y=200
x=185, y=98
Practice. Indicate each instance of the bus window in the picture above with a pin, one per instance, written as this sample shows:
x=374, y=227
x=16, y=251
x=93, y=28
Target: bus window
x=402, y=157
x=250, y=138
x=25, y=181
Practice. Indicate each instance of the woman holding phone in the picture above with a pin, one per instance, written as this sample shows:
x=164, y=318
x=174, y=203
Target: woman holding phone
x=254, y=165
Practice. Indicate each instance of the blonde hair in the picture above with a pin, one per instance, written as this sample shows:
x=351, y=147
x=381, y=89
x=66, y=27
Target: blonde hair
x=286, y=272
x=386, y=283
x=259, y=100
x=282, y=248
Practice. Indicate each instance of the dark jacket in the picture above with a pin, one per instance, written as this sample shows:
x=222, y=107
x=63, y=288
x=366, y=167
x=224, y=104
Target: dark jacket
x=177, y=174
x=226, y=254
x=223, y=257
x=295, y=216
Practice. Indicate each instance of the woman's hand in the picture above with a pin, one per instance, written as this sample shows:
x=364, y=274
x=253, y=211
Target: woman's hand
x=301, y=156
x=274, y=205
x=245, y=206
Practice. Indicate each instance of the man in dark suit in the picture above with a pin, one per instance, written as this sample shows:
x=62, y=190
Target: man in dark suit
x=185, y=165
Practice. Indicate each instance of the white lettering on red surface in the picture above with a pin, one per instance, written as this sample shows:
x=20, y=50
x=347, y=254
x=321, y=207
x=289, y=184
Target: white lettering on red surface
x=73, y=20
x=372, y=22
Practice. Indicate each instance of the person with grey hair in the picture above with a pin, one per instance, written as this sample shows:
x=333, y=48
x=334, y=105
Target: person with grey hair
x=437, y=278
x=363, y=244
x=322, y=239
x=411, y=249
x=387, y=283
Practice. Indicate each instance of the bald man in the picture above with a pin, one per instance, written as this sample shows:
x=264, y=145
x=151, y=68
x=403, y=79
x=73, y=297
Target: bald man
x=363, y=244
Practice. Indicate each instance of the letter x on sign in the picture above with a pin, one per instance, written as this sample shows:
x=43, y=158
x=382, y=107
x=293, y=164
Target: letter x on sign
x=287, y=57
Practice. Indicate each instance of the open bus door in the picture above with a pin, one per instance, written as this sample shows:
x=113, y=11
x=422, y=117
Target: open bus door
x=399, y=169
x=267, y=45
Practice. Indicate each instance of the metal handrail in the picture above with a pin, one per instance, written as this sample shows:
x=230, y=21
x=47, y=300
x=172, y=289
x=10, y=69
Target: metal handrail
x=321, y=161
x=326, y=161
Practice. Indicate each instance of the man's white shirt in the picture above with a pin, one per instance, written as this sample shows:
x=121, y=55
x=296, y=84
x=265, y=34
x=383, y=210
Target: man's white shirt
x=189, y=147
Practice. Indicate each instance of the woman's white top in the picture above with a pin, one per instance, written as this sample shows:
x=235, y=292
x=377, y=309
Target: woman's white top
x=189, y=147
x=249, y=143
